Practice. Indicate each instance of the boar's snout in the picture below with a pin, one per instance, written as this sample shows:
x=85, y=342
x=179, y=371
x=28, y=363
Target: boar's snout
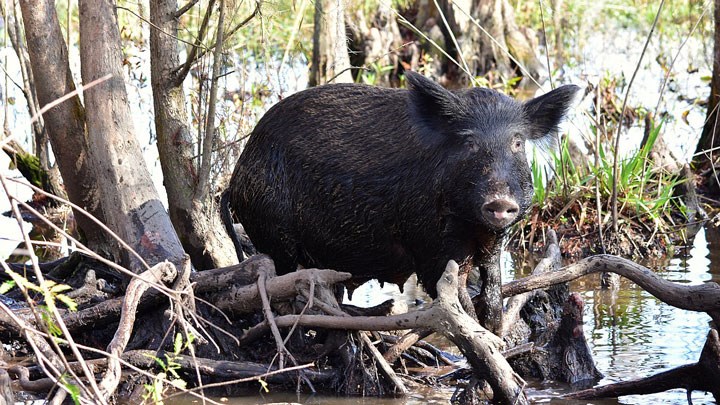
x=500, y=212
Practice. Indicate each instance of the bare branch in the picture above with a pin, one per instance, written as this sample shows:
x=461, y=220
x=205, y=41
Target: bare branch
x=700, y=298
x=161, y=272
x=208, y=138
x=193, y=54
x=184, y=9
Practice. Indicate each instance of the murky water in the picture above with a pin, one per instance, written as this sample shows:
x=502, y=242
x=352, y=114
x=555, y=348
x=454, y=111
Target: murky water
x=634, y=335
x=631, y=334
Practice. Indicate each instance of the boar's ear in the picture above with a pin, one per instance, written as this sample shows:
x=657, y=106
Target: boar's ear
x=432, y=108
x=545, y=113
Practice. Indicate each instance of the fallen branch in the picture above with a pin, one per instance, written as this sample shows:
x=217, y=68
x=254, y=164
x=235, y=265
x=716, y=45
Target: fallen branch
x=382, y=363
x=248, y=371
x=281, y=288
x=405, y=342
x=282, y=351
x=700, y=298
x=109, y=311
x=480, y=346
x=145, y=360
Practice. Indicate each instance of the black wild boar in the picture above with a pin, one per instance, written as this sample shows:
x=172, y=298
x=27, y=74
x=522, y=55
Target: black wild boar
x=384, y=182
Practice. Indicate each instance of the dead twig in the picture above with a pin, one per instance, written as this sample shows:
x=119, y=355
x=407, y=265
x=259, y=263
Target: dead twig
x=282, y=351
x=161, y=272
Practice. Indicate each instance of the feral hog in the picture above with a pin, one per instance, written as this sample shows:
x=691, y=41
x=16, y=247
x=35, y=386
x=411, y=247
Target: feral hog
x=383, y=182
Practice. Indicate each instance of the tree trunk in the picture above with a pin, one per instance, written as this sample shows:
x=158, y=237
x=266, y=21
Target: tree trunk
x=376, y=44
x=498, y=18
x=28, y=89
x=710, y=137
x=479, y=52
x=132, y=207
x=65, y=123
x=330, y=60
x=195, y=218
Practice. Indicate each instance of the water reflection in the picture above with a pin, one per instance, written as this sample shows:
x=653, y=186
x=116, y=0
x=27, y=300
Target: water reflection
x=633, y=335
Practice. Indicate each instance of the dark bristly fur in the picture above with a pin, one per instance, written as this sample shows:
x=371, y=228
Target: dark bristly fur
x=383, y=182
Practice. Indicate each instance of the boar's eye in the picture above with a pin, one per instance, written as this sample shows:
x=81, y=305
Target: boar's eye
x=471, y=144
x=517, y=145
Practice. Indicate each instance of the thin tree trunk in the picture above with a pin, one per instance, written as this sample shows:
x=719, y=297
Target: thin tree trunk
x=51, y=173
x=65, y=122
x=330, y=60
x=132, y=206
x=195, y=217
x=28, y=89
x=710, y=137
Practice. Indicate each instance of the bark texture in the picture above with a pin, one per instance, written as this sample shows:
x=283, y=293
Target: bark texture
x=509, y=47
x=133, y=209
x=330, y=60
x=195, y=217
x=710, y=137
x=65, y=123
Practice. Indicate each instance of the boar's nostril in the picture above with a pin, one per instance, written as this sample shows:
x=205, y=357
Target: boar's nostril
x=501, y=211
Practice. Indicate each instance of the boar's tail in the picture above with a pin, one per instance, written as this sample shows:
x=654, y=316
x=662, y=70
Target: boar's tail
x=240, y=248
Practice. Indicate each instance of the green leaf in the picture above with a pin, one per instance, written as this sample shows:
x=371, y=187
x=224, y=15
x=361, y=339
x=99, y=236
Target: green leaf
x=7, y=286
x=22, y=281
x=53, y=328
x=69, y=302
x=74, y=391
x=58, y=288
x=263, y=385
x=177, y=345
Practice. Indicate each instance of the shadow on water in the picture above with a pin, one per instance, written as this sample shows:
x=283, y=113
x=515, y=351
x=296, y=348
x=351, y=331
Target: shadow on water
x=630, y=333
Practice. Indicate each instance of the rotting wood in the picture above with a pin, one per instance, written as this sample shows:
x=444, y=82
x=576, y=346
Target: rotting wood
x=28, y=379
x=382, y=363
x=513, y=308
x=406, y=341
x=109, y=311
x=282, y=351
x=247, y=298
x=6, y=393
x=515, y=304
x=480, y=346
x=287, y=287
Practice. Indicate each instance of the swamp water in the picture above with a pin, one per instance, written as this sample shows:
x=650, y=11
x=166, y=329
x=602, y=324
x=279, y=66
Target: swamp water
x=631, y=334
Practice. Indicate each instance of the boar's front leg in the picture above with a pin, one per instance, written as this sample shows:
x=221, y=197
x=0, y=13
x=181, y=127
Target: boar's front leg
x=489, y=304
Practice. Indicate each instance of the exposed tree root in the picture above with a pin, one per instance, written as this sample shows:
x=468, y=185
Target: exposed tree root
x=164, y=272
x=515, y=304
x=264, y=304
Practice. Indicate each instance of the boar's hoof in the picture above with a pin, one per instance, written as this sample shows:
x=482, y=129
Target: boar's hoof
x=500, y=212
